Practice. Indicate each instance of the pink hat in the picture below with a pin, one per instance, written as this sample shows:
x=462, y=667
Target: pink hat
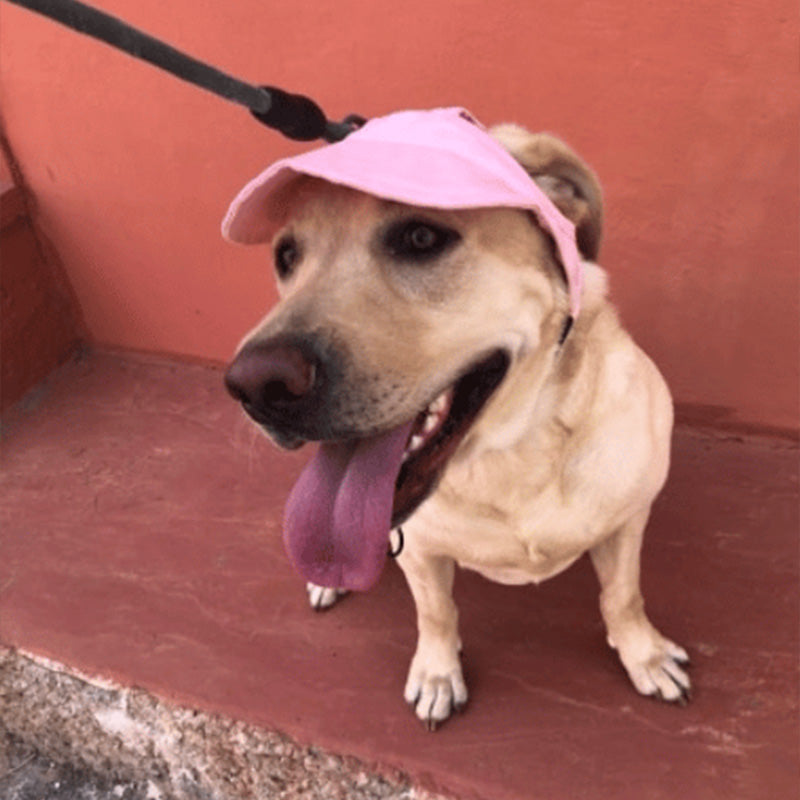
x=436, y=159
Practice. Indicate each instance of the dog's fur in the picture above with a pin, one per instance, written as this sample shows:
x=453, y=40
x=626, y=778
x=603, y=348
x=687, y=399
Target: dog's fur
x=569, y=452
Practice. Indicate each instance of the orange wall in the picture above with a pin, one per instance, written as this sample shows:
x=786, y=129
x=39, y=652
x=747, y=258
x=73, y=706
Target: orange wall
x=39, y=326
x=687, y=109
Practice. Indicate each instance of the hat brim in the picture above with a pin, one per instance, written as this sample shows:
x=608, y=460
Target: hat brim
x=436, y=159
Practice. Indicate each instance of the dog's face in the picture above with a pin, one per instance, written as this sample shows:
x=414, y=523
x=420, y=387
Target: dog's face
x=392, y=315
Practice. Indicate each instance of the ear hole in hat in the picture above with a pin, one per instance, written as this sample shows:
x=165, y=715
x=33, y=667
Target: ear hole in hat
x=563, y=176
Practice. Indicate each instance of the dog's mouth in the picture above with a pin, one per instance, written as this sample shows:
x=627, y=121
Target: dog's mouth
x=438, y=431
x=348, y=498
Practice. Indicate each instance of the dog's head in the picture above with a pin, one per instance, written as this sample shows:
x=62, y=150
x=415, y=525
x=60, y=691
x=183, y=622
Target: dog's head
x=397, y=326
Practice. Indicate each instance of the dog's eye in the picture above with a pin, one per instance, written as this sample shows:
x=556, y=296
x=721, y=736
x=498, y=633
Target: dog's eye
x=415, y=240
x=421, y=237
x=286, y=255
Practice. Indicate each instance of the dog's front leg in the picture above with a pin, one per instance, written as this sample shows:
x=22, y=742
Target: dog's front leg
x=653, y=662
x=435, y=685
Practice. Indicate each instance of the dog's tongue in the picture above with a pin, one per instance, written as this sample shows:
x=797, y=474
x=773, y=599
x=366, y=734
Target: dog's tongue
x=338, y=516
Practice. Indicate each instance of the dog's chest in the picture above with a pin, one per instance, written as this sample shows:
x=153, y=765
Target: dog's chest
x=530, y=572
x=491, y=540
x=514, y=522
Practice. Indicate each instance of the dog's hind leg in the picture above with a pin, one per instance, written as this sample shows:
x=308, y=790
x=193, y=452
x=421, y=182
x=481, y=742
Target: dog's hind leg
x=652, y=661
x=435, y=685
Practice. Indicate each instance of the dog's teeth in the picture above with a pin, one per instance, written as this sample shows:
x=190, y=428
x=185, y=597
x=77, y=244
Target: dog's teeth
x=431, y=421
x=415, y=443
x=438, y=405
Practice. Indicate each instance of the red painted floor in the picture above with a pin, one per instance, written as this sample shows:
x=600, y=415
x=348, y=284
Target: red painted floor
x=140, y=542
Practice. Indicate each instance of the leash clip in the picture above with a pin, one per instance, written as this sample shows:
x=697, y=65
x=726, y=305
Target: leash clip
x=336, y=131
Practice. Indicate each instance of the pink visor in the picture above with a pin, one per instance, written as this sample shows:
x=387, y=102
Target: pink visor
x=440, y=158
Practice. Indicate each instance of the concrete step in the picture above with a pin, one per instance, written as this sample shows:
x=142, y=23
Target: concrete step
x=141, y=548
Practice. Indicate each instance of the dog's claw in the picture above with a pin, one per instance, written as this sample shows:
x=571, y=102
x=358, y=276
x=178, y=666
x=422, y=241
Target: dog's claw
x=435, y=698
x=656, y=669
x=432, y=723
x=322, y=598
x=682, y=699
x=664, y=681
x=685, y=697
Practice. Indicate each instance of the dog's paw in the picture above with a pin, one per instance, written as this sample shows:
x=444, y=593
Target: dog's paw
x=323, y=597
x=435, y=689
x=655, y=667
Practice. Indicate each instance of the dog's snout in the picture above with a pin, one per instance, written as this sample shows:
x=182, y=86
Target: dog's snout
x=266, y=375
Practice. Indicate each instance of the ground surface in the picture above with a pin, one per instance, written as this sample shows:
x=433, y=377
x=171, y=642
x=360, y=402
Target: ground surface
x=25, y=774
x=140, y=531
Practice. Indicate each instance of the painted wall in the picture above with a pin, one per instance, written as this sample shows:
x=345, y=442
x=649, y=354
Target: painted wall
x=40, y=326
x=687, y=109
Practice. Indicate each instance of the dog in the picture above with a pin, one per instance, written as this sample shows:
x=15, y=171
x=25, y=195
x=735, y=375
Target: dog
x=459, y=398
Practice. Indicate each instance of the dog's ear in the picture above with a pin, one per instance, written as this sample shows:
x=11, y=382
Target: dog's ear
x=563, y=177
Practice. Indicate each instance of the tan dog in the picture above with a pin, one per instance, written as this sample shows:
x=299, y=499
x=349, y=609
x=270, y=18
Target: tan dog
x=523, y=449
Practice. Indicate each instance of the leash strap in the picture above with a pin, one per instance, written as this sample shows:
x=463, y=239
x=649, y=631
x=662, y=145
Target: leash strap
x=294, y=115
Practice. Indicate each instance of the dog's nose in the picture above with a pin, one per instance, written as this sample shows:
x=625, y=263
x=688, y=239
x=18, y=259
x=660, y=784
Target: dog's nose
x=265, y=375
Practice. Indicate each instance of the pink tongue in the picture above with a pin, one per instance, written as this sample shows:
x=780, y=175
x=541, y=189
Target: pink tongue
x=338, y=516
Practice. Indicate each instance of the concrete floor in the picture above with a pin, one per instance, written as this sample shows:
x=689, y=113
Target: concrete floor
x=141, y=543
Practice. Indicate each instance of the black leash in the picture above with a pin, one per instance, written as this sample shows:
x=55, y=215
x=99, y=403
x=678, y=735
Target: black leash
x=294, y=115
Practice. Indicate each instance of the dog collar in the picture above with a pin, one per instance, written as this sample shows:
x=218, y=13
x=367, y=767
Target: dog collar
x=442, y=158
